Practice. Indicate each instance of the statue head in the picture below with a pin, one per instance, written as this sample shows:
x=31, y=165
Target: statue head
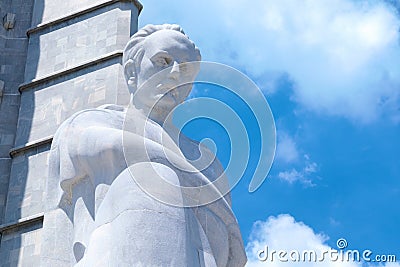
x=154, y=63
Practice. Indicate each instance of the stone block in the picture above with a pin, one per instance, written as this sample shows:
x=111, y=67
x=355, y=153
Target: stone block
x=9, y=106
x=79, y=40
x=5, y=165
x=50, y=10
x=27, y=184
x=20, y=246
x=44, y=108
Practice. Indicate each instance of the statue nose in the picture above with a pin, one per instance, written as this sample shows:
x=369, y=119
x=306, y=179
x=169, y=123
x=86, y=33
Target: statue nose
x=175, y=71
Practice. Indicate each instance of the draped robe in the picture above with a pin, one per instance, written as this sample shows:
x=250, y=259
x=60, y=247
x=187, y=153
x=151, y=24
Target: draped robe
x=96, y=215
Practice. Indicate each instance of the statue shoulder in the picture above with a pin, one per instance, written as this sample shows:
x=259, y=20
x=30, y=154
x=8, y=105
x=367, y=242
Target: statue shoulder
x=193, y=149
x=109, y=116
x=113, y=107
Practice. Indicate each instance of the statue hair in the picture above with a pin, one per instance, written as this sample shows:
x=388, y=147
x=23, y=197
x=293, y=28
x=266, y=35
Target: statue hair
x=134, y=48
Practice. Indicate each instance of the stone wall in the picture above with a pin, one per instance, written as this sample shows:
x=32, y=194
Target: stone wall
x=61, y=57
x=13, y=51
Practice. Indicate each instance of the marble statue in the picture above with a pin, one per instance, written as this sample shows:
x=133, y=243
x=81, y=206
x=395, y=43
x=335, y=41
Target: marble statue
x=97, y=214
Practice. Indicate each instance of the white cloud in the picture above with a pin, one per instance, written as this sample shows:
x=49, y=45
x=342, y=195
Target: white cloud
x=286, y=154
x=293, y=176
x=303, y=176
x=342, y=55
x=284, y=233
x=286, y=150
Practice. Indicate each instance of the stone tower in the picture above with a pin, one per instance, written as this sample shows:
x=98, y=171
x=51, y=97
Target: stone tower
x=56, y=57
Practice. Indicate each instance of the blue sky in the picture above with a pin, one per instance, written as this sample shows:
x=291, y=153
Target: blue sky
x=330, y=71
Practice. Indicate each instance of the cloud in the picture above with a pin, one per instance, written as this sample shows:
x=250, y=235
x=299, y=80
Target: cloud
x=285, y=233
x=286, y=150
x=342, y=55
x=303, y=176
x=287, y=154
x=294, y=175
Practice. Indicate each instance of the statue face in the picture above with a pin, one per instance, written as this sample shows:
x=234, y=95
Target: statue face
x=165, y=49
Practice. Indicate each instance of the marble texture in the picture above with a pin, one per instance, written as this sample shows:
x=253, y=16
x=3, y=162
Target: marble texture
x=97, y=213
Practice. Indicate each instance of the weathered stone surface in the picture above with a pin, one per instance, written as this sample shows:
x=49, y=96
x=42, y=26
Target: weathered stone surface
x=50, y=10
x=21, y=246
x=5, y=165
x=27, y=184
x=9, y=21
x=46, y=103
x=81, y=40
x=13, y=50
x=45, y=107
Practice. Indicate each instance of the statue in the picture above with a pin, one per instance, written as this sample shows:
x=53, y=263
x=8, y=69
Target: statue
x=97, y=214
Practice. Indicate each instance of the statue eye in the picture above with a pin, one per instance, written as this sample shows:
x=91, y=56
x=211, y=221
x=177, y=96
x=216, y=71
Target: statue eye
x=163, y=61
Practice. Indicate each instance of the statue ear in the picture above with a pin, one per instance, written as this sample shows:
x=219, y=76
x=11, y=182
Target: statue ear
x=130, y=73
